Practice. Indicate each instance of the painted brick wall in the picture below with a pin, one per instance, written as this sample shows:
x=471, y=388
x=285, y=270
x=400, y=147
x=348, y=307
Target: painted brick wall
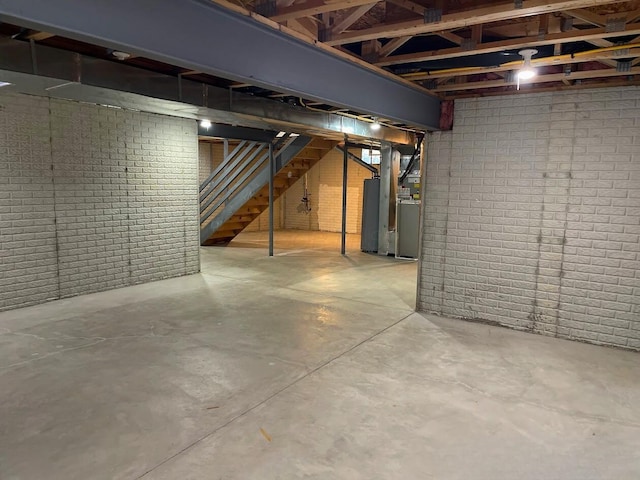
x=324, y=183
x=94, y=198
x=532, y=215
x=28, y=262
x=206, y=152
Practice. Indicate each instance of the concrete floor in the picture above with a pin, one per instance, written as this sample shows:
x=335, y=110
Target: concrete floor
x=306, y=365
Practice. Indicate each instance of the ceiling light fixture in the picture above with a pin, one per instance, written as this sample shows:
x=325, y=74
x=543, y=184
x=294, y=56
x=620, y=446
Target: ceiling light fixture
x=206, y=124
x=121, y=55
x=375, y=126
x=526, y=72
x=4, y=84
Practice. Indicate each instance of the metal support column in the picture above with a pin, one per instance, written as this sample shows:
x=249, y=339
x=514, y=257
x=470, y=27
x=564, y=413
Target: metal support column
x=272, y=172
x=345, y=163
x=385, y=178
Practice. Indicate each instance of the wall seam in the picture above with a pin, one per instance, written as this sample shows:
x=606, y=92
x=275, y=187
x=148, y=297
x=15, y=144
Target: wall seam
x=55, y=212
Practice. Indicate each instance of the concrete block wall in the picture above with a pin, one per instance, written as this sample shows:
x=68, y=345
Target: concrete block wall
x=92, y=198
x=532, y=215
x=324, y=183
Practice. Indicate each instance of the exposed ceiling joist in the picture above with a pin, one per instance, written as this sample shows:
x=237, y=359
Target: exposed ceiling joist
x=39, y=36
x=633, y=16
x=452, y=37
x=350, y=17
x=588, y=17
x=493, y=13
x=393, y=45
x=554, y=77
x=514, y=43
x=304, y=26
x=541, y=62
x=539, y=88
x=314, y=7
x=409, y=5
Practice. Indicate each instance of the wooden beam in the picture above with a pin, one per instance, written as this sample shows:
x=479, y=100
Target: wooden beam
x=393, y=45
x=554, y=77
x=536, y=62
x=452, y=37
x=314, y=7
x=633, y=16
x=587, y=16
x=602, y=43
x=350, y=17
x=38, y=36
x=409, y=5
x=514, y=43
x=493, y=13
x=476, y=34
x=305, y=26
x=603, y=83
x=543, y=24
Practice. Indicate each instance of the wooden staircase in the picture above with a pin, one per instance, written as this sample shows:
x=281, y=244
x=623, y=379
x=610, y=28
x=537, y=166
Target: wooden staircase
x=257, y=203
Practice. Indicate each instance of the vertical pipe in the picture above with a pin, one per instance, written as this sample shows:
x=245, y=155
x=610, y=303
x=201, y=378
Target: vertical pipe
x=345, y=158
x=272, y=168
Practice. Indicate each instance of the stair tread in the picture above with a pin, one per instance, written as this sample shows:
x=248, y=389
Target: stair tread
x=306, y=158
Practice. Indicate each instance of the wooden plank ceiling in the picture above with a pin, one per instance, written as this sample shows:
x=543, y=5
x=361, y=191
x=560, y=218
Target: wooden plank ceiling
x=464, y=48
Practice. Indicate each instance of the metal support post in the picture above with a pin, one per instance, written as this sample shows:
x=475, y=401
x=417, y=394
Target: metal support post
x=272, y=172
x=345, y=162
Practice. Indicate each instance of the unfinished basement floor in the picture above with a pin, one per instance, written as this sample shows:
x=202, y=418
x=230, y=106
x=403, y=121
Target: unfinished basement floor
x=305, y=365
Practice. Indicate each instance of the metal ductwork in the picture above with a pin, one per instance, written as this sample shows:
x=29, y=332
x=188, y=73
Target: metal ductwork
x=46, y=71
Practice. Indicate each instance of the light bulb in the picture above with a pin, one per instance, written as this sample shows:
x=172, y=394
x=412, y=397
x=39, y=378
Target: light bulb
x=205, y=124
x=526, y=74
x=375, y=126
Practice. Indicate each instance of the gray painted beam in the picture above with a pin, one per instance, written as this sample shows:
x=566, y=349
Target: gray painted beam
x=218, y=130
x=203, y=36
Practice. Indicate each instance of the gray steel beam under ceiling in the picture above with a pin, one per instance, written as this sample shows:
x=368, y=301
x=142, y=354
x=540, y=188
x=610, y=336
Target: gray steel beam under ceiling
x=203, y=36
x=46, y=71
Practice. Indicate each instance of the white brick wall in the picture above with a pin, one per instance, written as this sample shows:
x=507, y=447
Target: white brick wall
x=532, y=215
x=28, y=262
x=206, y=152
x=96, y=198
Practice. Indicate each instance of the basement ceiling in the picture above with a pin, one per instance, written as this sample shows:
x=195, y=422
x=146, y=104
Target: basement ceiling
x=453, y=49
x=466, y=48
